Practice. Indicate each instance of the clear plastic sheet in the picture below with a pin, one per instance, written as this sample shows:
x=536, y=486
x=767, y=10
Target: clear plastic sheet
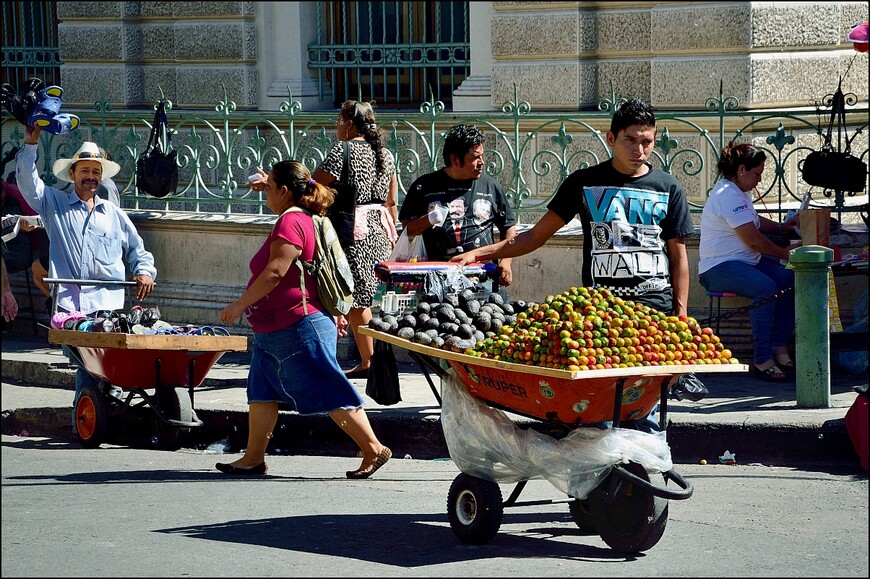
x=484, y=442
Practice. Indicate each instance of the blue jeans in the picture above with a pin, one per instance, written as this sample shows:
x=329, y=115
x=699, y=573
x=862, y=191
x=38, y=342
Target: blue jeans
x=773, y=322
x=83, y=379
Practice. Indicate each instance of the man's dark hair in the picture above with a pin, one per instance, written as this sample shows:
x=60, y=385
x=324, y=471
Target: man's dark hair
x=459, y=140
x=632, y=112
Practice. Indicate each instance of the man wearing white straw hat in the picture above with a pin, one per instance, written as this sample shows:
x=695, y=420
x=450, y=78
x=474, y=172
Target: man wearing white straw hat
x=89, y=237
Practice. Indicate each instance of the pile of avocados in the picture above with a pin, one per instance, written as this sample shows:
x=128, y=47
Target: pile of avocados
x=456, y=324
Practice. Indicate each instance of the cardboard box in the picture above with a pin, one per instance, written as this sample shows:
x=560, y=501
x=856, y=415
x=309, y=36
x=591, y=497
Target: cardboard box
x=815, y=225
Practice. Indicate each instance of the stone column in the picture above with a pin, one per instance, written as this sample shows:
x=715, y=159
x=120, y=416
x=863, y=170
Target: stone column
x=286, y=29
x=475, y=92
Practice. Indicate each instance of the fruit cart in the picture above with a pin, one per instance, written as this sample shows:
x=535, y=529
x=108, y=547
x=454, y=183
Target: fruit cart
x=624, y=502
x=159, y=371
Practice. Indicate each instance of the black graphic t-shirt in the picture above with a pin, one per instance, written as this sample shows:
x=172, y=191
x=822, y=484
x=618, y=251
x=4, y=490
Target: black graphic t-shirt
x=626, y=221
x=474, y=207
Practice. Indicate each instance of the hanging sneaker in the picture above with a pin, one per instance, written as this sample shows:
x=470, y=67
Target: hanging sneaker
x=60, y=124
x=47, y=106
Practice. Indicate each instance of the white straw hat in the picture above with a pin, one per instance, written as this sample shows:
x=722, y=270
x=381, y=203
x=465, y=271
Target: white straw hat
x=87, y=152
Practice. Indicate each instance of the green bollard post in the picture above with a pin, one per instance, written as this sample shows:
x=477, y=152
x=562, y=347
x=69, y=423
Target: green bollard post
x=811, y=264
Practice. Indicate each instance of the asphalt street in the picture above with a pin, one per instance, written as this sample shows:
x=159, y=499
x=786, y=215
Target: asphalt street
x=117, y=511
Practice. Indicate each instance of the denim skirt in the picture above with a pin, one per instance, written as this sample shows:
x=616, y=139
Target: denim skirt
x=297, y=366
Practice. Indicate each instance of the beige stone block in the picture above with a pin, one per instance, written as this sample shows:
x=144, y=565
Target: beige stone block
x=787, y=24
x=796, y=79
x=537, y=83
x=854, y=68
x=157, y=9
x=689, y=82
x=537, y=6
x=211, y=9
x=627, y=79
x=132, y=39
x=83, y=84
x=200, y=87
x=623, y=30
x=534, y=34
x=86, y=10
x=688, y=27
x=155, y=78
x=158, y=41
x=90, y=42
x=209, y=41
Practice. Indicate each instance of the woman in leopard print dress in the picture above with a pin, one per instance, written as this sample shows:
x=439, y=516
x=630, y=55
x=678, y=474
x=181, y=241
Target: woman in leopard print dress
x=373, y=172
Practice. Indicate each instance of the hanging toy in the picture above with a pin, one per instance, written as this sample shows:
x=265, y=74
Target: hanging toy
x=858, y=36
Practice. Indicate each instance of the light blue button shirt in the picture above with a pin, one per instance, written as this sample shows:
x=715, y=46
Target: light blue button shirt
x=84, y=244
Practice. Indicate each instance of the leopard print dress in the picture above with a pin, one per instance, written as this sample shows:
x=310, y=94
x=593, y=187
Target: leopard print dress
x=372, y=187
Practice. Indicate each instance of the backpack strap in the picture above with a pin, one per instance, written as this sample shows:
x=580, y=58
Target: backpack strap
x=302, y=264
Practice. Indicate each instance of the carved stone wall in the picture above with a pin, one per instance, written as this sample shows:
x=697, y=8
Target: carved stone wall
x=673, y=54
x=128, y=51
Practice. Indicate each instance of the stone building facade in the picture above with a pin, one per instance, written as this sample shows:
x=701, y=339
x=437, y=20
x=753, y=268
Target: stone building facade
x=559, y=55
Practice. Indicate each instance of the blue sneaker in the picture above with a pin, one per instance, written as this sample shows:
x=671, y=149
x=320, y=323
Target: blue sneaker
x=48, y=105
x=60, y=124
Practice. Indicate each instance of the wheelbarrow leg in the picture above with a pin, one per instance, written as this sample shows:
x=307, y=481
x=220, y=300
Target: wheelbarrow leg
x=423, y=362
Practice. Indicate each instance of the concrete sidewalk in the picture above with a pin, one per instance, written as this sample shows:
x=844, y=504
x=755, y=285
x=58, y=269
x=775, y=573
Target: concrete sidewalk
x=758, y=421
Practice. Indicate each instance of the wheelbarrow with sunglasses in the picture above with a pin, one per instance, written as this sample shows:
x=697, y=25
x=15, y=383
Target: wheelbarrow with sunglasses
x=157, y=370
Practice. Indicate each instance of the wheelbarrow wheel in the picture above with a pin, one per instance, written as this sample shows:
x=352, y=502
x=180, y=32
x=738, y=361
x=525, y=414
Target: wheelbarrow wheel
x=92, y=417
x=474, y=508
x=628, y=518
x=582, y=516
x=175, y=404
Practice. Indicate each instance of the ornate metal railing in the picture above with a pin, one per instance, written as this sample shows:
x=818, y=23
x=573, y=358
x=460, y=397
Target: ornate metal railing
x=529, y=153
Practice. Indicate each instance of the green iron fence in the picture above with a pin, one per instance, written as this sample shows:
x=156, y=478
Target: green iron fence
x=528, y=153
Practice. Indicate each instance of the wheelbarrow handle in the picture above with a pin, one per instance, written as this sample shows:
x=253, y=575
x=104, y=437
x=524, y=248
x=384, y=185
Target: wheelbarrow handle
x=87, y=281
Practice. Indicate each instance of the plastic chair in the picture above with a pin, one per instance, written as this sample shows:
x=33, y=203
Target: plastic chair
x=718, y=297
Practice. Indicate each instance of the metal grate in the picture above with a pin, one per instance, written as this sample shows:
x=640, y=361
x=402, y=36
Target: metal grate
x=392, y=52
x=30, y=42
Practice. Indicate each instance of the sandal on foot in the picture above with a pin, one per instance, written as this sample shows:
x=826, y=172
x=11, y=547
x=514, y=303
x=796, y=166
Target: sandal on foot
x=784, y=362
x=772, y=374
x=380, y=460
x=357, y=374
x=258, y=469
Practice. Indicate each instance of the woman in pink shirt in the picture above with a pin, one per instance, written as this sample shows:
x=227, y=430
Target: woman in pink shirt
x=293, y=359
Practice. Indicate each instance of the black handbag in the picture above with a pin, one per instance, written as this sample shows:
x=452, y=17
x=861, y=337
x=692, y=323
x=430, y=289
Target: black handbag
x=342, y=212
x=156, y=167
x=834, y=170
x=382, y=385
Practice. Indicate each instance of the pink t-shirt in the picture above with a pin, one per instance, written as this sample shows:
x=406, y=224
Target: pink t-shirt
x=282, y=307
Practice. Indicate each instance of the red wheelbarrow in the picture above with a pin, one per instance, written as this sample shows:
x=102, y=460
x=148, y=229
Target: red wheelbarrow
x=159, y=371
x=628, y=502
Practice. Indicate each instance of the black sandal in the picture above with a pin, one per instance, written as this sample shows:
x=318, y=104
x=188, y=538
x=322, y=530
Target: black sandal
x=772, y=374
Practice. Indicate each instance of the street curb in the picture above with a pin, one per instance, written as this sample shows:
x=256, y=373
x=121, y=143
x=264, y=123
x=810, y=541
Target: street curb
x=422, y=437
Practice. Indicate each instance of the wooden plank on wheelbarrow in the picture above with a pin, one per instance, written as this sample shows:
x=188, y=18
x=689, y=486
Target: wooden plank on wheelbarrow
x=148, y=341
x=552, y=372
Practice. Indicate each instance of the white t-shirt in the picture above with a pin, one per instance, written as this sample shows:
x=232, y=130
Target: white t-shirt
x=726, y=209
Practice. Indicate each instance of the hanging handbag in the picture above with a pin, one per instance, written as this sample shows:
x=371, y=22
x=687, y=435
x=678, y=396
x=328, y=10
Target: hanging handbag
x=383, y=380
x=831, y=169
x=156, y=167
x=342, y=211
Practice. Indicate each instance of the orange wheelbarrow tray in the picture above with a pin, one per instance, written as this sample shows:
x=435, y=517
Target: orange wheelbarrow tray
x=569, y=398
x=614, y=488
x=171, y=365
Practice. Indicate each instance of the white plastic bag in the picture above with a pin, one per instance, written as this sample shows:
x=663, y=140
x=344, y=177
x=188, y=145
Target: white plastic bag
x=408, y=248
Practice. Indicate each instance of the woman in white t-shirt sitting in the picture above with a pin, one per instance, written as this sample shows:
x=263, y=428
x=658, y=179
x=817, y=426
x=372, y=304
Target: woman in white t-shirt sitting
x=737, y=256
